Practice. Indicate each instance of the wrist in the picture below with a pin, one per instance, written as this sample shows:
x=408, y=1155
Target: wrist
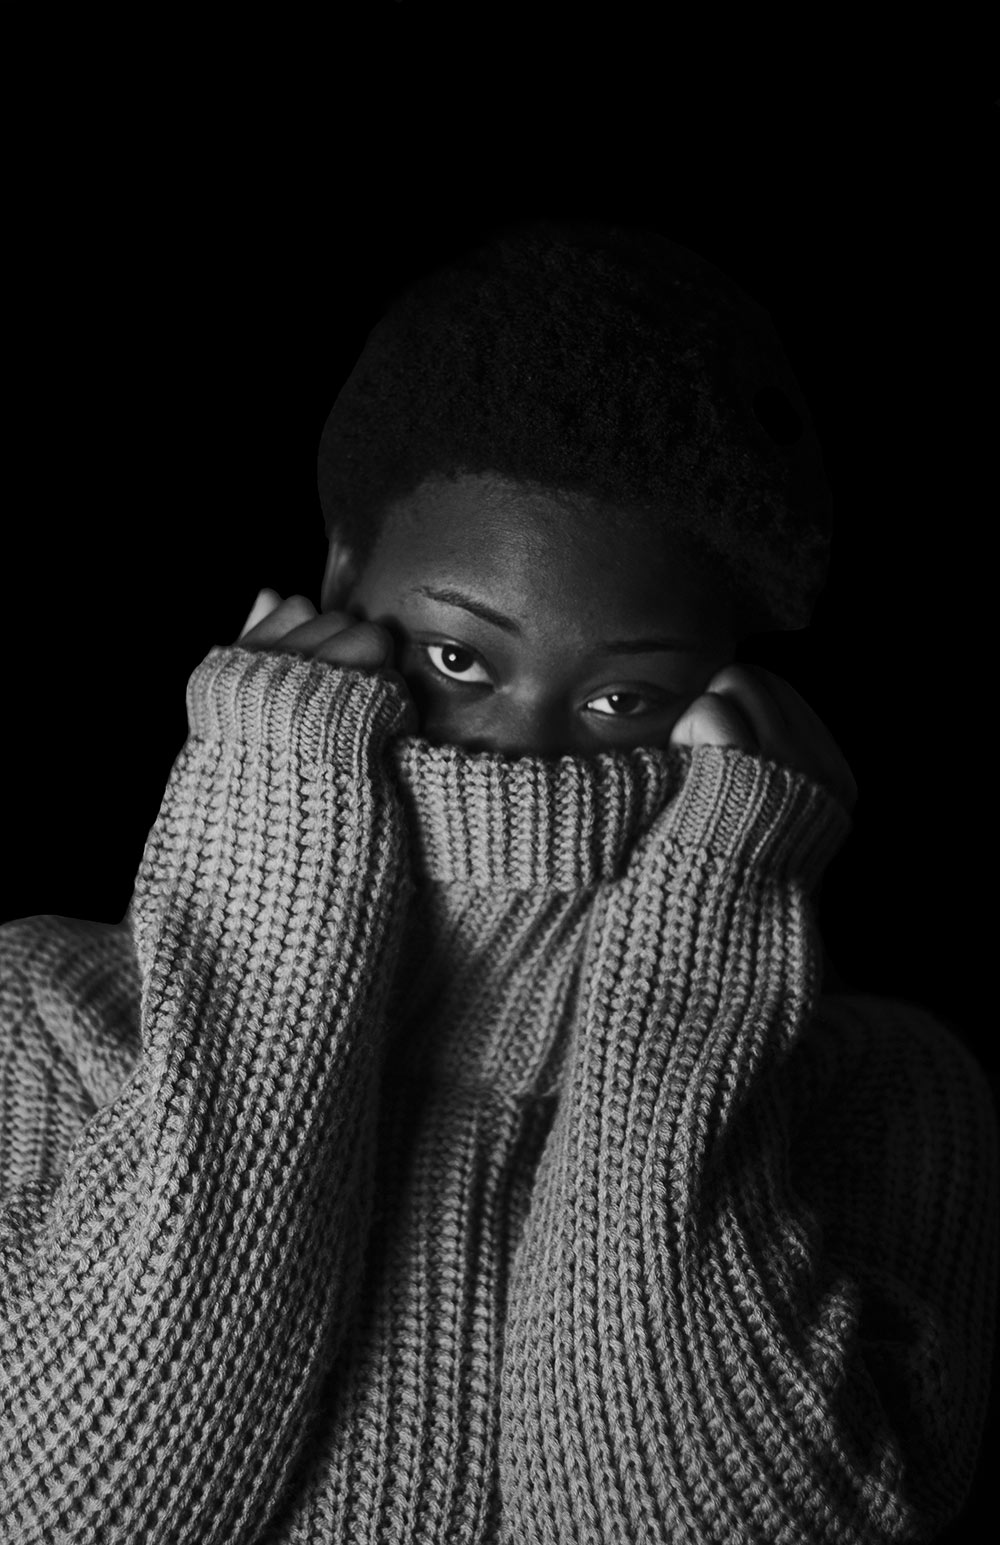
x=292, y=706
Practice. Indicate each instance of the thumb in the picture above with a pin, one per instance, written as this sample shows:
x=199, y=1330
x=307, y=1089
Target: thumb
x=713, y=720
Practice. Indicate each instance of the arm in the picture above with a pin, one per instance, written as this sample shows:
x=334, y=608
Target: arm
x=170, y=1296
x=741, y=1310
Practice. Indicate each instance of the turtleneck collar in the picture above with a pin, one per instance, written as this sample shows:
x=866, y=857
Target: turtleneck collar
x=529, y=823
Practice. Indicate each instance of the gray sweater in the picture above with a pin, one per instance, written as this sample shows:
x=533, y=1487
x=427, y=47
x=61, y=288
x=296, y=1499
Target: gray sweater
x=452, y=1149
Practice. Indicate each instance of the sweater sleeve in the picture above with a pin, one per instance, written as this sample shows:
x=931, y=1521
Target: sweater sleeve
x=754, y=1297
x=172, y=1289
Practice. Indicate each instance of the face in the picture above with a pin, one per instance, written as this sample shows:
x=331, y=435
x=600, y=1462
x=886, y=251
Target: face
x=534, y=624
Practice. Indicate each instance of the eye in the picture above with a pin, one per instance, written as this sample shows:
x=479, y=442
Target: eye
x=624, y=705
x=456, y=664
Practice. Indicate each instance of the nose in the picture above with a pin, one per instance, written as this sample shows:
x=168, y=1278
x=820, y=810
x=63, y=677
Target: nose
x=511, y=731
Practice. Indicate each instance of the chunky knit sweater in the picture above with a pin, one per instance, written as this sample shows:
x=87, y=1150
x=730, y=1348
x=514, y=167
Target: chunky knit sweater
x=448, y=1148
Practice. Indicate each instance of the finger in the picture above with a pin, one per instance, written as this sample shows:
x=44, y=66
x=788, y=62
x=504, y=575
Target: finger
x=265, y=603
x=363, y=645
x=306, y=635
x=797, y=713
x=790, y=731
x=744, y=687
x=339, y=640
x=713, y=720
x=808, y=742
x=290, y=613
x=801, y=716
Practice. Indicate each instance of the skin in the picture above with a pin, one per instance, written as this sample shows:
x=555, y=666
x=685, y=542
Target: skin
x=570, y=577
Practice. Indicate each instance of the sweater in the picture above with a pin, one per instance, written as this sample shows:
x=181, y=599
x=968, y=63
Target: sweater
x=452, y=1148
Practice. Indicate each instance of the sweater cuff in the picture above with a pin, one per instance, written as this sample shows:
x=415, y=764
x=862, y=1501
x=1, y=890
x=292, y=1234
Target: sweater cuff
x=744, y=809
x=291, y=705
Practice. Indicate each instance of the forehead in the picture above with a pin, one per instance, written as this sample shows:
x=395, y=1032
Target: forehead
x=490, y=501
x=496, y=520
x=535, y=546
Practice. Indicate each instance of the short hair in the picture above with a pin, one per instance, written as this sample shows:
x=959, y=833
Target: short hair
x=597, y=359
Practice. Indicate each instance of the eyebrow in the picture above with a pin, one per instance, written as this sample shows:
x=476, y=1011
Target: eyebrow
x=456, y=598
x=610, y=646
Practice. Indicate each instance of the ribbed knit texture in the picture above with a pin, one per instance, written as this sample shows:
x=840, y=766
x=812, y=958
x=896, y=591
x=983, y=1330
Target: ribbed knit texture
x=452, y=1149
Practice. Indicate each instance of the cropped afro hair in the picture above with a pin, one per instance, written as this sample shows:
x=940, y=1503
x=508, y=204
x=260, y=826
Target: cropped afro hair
x=601, y=360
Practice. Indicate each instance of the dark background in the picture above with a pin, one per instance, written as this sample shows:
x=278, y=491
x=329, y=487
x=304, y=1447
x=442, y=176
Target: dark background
x=202, y=241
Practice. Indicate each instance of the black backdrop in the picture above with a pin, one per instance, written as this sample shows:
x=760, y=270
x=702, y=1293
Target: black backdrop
x=200, y=249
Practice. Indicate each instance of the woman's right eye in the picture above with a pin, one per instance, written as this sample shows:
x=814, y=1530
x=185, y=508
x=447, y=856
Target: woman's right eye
x=456, y=664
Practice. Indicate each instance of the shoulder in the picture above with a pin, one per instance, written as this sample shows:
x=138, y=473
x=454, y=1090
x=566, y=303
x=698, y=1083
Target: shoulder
x=48, y=951
x=885, y=1074
x=28, y=935
x=893, y=1038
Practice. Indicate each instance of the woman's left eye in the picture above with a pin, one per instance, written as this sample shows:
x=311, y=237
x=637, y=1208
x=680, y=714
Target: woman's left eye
x=456, y=664
x=625, y=705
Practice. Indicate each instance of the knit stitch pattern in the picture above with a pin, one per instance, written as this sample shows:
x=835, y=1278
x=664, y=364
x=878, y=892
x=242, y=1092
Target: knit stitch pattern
x=455, y=1149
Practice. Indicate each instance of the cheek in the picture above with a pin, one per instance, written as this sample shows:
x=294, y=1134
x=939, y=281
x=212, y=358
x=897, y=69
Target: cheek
x=667, y=721
x=438, y=712
x=659, y=738
x=423, y=700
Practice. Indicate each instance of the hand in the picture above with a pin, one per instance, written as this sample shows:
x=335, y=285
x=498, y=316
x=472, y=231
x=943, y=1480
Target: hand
x=752, y=708
x=294, y=626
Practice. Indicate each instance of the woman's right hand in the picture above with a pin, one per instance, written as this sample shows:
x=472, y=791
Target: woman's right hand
x=293, y=626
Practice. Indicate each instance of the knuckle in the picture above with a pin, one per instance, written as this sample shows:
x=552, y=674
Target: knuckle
x=358, y=643
x=370, y=631
x=731, y=678
x=298, y=606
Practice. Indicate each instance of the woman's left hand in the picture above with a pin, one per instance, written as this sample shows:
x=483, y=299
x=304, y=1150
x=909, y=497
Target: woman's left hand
x=752, y=708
